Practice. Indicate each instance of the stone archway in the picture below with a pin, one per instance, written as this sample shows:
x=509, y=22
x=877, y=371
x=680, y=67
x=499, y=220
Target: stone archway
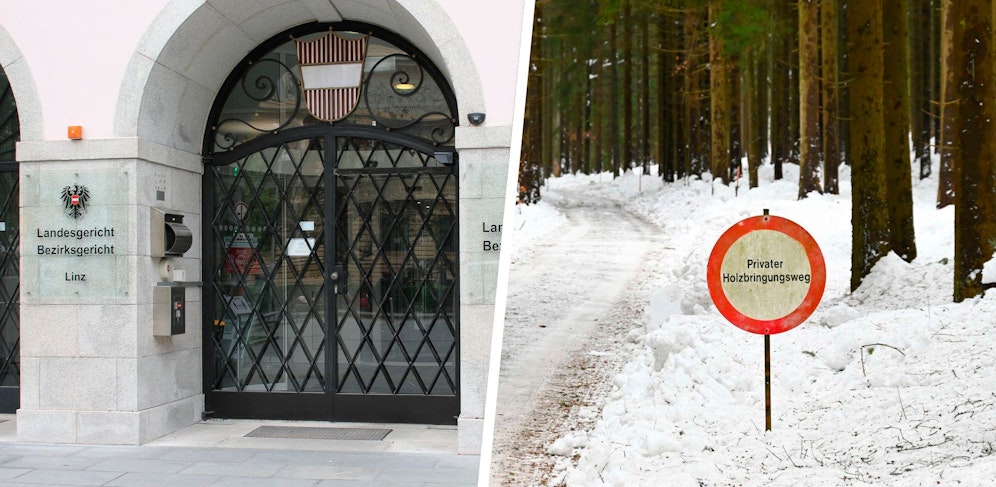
x=23, y=85
x=188, y=52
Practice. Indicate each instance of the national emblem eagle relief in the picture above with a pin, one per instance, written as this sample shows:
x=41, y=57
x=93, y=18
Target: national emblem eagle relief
x=74, y=199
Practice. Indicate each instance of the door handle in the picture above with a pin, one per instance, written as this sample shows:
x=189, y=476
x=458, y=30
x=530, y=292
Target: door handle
x=337, y=277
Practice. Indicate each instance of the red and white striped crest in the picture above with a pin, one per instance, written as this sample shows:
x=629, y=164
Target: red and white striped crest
x=331, y=74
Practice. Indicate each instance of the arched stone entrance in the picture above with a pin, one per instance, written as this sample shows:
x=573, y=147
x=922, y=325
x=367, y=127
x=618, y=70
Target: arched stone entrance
x=94, y=368
x=330, y=249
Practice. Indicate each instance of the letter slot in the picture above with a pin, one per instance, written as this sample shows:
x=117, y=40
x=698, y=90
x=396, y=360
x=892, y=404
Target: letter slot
x=168, y=235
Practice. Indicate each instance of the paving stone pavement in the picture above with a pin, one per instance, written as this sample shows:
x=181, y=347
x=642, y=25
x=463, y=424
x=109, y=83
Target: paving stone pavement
x=182, y=460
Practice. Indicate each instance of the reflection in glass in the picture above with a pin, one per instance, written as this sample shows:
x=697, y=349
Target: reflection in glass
x=9, y=281
x=269, y=280
x=394, y=304
x=397, y=94
x=398, y=335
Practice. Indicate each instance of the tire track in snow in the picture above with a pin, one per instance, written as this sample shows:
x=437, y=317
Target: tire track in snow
x=579, y=292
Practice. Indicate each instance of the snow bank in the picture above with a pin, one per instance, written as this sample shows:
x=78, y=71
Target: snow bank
x=532, y=224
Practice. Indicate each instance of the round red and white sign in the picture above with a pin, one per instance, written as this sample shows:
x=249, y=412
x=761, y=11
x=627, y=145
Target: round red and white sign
x=766, y=274
x=241, y=211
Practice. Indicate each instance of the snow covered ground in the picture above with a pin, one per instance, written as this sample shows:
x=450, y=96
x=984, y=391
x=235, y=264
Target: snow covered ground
x=890, y=385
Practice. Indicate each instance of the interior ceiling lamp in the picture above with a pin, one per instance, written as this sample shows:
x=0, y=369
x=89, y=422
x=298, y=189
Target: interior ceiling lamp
x=404, y=86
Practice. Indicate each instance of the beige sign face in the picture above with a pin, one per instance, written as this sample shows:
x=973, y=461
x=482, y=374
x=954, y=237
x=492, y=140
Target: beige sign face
x=766, y=275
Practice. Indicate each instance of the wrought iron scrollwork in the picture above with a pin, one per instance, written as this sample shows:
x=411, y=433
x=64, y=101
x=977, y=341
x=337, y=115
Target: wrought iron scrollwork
x=401, y=91
x=280, y=95
x=10, y=127
x=407, y=100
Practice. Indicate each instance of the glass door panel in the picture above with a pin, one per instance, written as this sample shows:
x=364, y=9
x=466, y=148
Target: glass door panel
x=9, y=280
x=269, y=279
x=395, y=239
x=334, y=262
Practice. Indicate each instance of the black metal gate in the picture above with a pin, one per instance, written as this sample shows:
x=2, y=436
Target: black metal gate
x=330, y=247
x=334, y=292
x=10, y=370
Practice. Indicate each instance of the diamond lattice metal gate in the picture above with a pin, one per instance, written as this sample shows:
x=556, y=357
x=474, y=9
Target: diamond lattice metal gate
x=10, y=370
x=9, y=292
x=333, y=286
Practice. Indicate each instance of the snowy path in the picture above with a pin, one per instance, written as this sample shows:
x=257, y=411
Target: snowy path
x=892, y=384
x=570, y=304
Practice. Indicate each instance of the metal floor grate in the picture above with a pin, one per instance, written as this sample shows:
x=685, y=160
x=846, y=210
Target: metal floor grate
x=315, y=433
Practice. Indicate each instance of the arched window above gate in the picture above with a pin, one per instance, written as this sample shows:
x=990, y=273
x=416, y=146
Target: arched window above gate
x=344, y=73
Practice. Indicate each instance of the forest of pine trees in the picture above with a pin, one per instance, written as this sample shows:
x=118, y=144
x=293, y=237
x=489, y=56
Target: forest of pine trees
x=697, y=86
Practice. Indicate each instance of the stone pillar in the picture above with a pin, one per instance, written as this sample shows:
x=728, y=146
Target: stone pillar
x=484, y=162
x=91, y=369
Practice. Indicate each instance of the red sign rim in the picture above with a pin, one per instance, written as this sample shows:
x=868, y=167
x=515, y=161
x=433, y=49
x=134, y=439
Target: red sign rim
x=817, y=266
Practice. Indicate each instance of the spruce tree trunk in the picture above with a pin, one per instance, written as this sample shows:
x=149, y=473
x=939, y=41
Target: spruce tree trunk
x=679, y=124
x=945, y=177
x=666, y=137
x=809, y=93
x=869, y=216
x=920, y=41
x=781, y=145
x=556, y=113
x=763, y=77
x=831, y=116
x=897, y=129
x=751, y=112
x=936, y=72
x=531, y=155
x=974, y=172
x=613, y=137
x=626, y=124
x=791, y=41
x=719, y=100
x=691, y=94
x=736, y=144
x=645, y=94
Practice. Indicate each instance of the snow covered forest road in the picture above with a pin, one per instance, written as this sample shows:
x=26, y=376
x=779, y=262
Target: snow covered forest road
x=890, y=384
x=571, y=301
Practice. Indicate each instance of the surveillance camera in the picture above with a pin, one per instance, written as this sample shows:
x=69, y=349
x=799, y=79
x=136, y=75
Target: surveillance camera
x=475, y=118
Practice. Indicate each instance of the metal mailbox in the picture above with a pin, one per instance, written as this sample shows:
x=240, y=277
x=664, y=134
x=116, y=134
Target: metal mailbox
x=168, y=235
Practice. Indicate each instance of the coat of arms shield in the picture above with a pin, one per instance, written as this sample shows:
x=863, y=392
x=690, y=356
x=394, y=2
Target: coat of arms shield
x=331, y=70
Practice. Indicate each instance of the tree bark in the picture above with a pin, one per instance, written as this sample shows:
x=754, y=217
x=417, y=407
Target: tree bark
x=869, y=218
x=719, y=99
x=830, y=114
x=781, y=145
x=626, y=92
x=945, y=178
x=692, y=95
x=899, y=189
x=645, y=94
x=613, y=137
x=791, y=41
x=531, y=155
x=974, y=172
x=751, y=112
x=809, y=101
